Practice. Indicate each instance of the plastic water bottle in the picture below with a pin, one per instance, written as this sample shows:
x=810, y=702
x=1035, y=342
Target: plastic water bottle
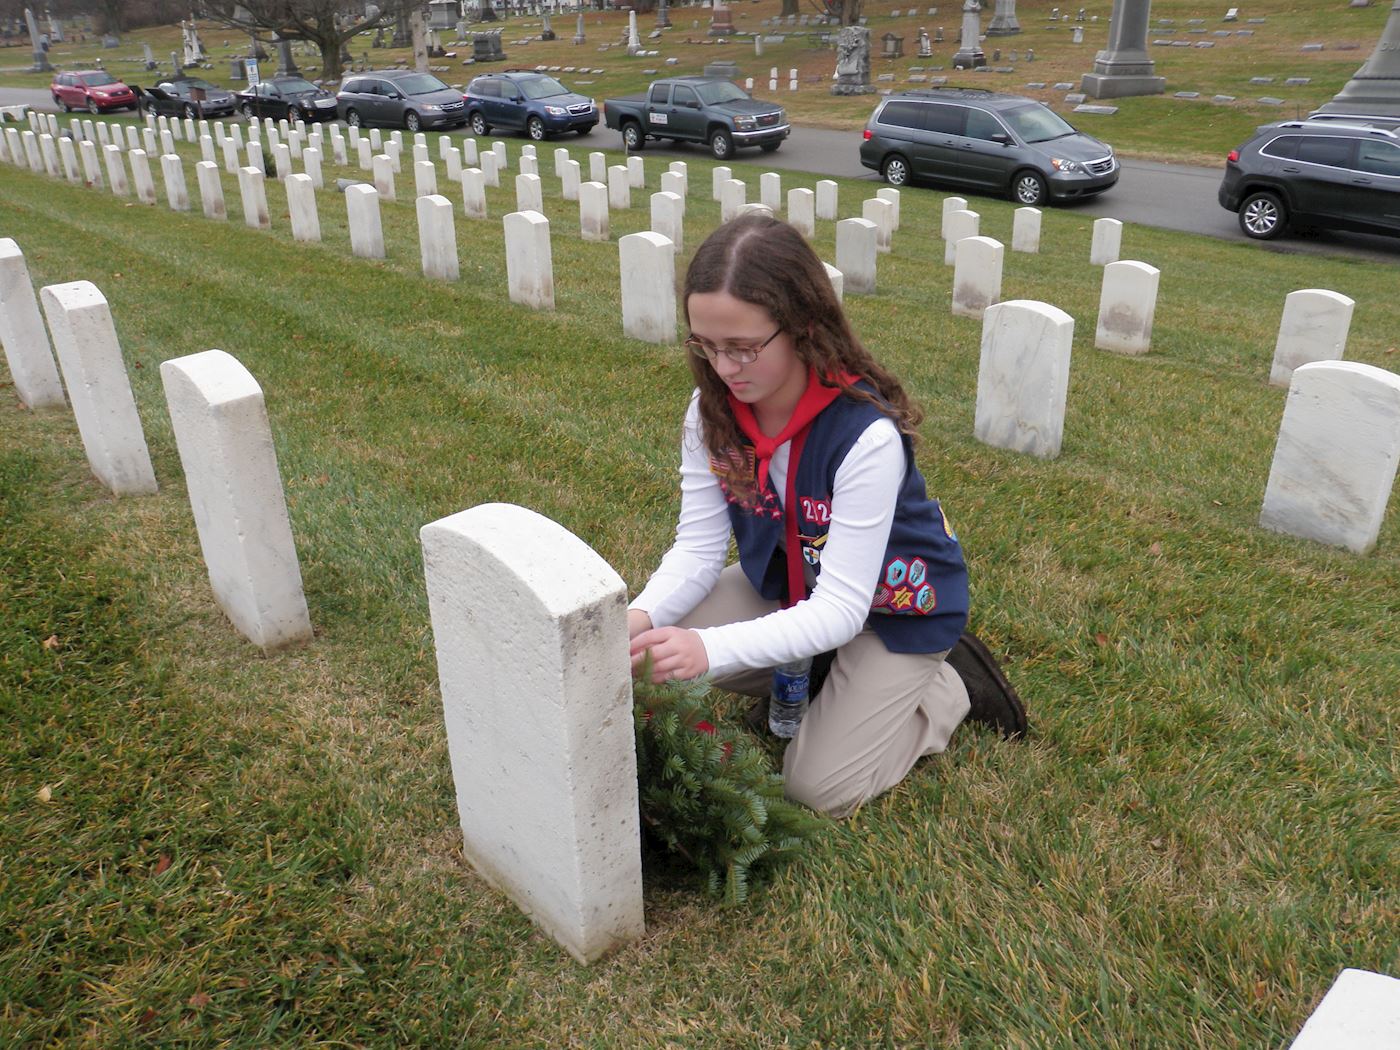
x=788, y=702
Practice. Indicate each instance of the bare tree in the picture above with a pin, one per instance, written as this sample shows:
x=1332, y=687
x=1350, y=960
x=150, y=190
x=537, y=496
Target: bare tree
x=320, y=22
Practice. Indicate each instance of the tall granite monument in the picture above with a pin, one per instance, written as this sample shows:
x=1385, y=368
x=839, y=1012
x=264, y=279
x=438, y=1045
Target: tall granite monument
x=1375, y=89
x=852, y=62
x=1124, y=68
x=969, y=54
x=41, y=56
x=1004, y=22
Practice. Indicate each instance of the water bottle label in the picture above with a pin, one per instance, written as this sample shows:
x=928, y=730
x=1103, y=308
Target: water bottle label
x=790, y=688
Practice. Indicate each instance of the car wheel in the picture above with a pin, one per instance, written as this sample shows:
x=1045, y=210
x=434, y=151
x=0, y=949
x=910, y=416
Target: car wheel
x=534, y=127
x=633, y=141
x=248, y=110
x=411, y=121
x=895, y=170
x=479, y=125
x=352, y=117
x=585, y=131
x=770, y=147
x=63, y=106
x=1263, y=216
x=1028, y=188
x=722, y=144
x=190, y=111
x=92, y=106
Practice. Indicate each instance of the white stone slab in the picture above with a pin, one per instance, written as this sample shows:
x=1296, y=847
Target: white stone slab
x=1337, y=450
x=338, y=151
x=474, y=193
x=529, y=193
x=537, y=699
x=619, y=188
x=394, y=152
x=437, y=237
x=311, y=161
x=856, y=252
x=141, y=176
x=452, y=157
x=230, y=156
x=1127, y=304
x=471, y=158
x=384, y=178
x=211, y=190
x=366, y=227
x=668, y=216
x=732, y=198
x=167, y=143
x=950, y=205
x=560, y=156
x=837, y=279
x=490, y=168
x=92, y=174
x=424, y=178
x=301, y=206
x=240, y=511
x=648, y=271
x=177, y=194
x=529, y=165
x=502, y=160
x=957, y=226
x=49, y=152
x=68, y=156
x=976, y=276
x=593, y=222
x=598, y=168
x=98, y=388
x=569, y=176
x=770, y=191
x=1025, y=230
x=828, y=195
x=636, y=173
x=1023, y=377
x=116, y=171
x=1361, y=1011
x=254, y=194
x=365, y=153
x=881, y=213
x=1107, y=242
x=718, y=177
x=420, y=154
x=674, y=182
x=23, y=335
x=255, y=156
x=529, y=260
x=1315, y=326
x=206, y=148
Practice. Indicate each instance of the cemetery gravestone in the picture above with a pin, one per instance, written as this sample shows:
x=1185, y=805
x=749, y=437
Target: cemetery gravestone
x=1127, y=303
x=569, y=177
x=176, y=193
x=881, y=213
x=141, y=176
x=529, y=260
x=718, y=177
x=837, y=280
x=366, y=228
x=1314, y=328
x=889, y=193
x=301, y=205
x=116, y=171
x=770, y=190
x=1025, y=230
x=211, y=190
x=1023, y=377
x=529, y=193
x=619, y=188
x=668, y=217
x=801, y=211
x=23, y=335
x=958, y=225
x=474, y=193
x=424, y=178
x=1107, y=242
x=384, y=177
x=976, y=276
x=250, y=186
x=855, y=255
x=648, y=268
x=827, y=195
x=732, y=196
x=437, y=238
x=593, y=211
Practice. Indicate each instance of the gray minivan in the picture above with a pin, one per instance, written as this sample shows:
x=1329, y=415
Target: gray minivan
x=984, y=140
x=400, y=98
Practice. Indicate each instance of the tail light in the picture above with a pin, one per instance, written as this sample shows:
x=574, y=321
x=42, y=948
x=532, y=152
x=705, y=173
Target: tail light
x=1233, y=156
x=866, y=136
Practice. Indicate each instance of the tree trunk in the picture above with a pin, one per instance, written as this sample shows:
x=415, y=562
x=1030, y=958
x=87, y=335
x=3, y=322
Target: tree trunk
x=850, y=11
x=789, y=8
x=330, y=44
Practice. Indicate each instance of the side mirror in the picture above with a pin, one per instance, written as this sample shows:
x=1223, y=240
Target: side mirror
x=1003, y=138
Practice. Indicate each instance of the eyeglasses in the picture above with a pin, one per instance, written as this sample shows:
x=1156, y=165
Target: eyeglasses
x=740, y=355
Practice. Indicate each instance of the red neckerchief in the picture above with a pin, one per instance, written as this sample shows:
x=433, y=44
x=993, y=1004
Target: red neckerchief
x=813, y=401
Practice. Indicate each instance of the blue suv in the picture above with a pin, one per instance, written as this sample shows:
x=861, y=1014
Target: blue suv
x=530, y=102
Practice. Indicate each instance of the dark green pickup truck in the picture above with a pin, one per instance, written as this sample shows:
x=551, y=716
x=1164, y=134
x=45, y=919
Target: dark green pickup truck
x=711, y=110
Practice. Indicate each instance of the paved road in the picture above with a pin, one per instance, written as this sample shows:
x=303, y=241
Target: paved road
x=1170, y=196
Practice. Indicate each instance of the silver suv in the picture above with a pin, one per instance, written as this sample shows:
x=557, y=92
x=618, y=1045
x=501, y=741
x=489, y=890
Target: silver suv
x=987, y=141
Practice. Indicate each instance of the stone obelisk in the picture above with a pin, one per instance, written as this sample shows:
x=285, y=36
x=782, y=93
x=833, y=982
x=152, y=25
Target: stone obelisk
x=1004, y=22
x=1123, y=68
x=41, y=57
x=1375, y=89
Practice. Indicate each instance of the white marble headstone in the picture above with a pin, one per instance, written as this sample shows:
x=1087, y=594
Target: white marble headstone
x=855, y=255
x=529, y=260
x=1127, y=305
x=1023, y=377
x=648, y=269
x=1314, y=328
x=23, y=335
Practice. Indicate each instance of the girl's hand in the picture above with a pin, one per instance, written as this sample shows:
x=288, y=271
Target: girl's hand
x=675, y=653
x=637, y=622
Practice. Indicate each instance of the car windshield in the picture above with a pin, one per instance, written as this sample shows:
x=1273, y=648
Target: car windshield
x=720, y=91
x=542, y=87
x=98, y=79
x=1037, y=123
x=421, y=84
x=295, y=87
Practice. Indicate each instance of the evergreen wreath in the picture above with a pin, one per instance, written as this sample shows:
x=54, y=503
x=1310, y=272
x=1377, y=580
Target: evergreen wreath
x=710, y=794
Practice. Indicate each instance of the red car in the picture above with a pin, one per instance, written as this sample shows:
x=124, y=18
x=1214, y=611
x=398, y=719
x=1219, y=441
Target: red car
x=91, y=89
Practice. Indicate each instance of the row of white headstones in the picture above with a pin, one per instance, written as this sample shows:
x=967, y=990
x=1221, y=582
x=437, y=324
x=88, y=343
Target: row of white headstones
x=577, y=874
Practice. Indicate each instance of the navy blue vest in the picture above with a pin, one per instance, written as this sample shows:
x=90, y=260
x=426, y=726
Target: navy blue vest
x=919, y=604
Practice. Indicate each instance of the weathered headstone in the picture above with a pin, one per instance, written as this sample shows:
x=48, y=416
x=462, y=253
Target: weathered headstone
x=1361, y=1011
x=950, y=205
x=1337, y=450
x=211, y=190
x=636, y=173
x=1107, y=242
x=837, y=280
x=311, y=160
x=116, y=171
x=733, y=196
x=770, y=190
x=593, y=211
x=1025, y=230
x=1314, y=327
x=852, y=62
x=718, y=177
x=98, y=387
x=225, y=442
x=437, y=237
x=648, y=270
x=668, y=217
x=889, y=193
x=598, y=168
x=958, y=225
x=282, y=161
x=881, y=213
x=490, y=168
x=976, y=276
x=1124, y=67
x=254, y=194
x=969, y=54
x=529, y=260
x=384, y=178
x=855, y=254
x=366, y=227
x=827, y=195
x=474, y=193
x=301, y=205
x=22, y=333
x=1127, y=304
x=68, y=154
x=529, y=193
x=92, y=174
x=177, y=194
x=1023, y=377
x=549, y=816
x=674, y=182
x=569, y=178
x=424, y=178
x=801, y=211
x=619, y=188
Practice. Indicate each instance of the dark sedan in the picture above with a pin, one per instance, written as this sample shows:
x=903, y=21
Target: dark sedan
x=291, y=97
x=197, y=98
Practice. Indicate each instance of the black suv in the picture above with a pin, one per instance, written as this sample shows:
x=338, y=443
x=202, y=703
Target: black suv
x=400, y=98
x=530, y=102
x=984, y=140
x=1344, y=176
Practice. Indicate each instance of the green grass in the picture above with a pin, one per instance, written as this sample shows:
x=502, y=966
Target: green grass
x=1161, y=127
x=246, y=850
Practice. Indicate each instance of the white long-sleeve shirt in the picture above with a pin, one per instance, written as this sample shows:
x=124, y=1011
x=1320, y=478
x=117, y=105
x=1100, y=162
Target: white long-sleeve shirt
x=862, y=512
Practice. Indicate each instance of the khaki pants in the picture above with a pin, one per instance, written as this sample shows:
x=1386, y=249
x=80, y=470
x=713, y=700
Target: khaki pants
x=878, y=713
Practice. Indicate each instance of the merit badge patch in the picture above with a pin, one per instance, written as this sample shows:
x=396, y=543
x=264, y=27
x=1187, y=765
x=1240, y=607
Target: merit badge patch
x=812, y=548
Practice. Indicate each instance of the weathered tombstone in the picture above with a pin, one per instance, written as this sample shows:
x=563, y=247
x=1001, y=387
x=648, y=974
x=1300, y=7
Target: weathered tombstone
x=1025, y=230
x=891, y=194
x=384, y=178
x=970, y=54
x=529, y=260
x=718, y=177
x=502, y=160
x=801, y=212
x=452, y=157
x=366, y=155
x=141, y=179
x=31, y=151
x=855, y=254
x=437, y=237
x=1337, y=450
x=22, y=333
x=91, y=173
x=211, y=190
x=529, y=165
x=116, y=171
x=1361, y=1011
x=474, y=193
x=394, y=152
x=255, y=155
x=549, y=816
x=1107, y=242
x=301, y=205
x=1023, y=377
x=254, y=194
x=569, y=178
x=732, y=199
x=1127, y=304
x=282, y=161
x=668, y=216
x=366, y=227
x=852, y=62
x=490, y=168
x=674, y=182
x=770, y=190
x=593, y=211
x=311, y=160
x=529, y=193
x=681, y=171
x=240, y=512
x=648, y=270
x=827, y=193
x=881, y=213
x=976, y=276
x=173, y=173
x=230, y=156
x=636, y=173
x=50, y=155
x=338, y=153
x=424, y=178
x=957, y=226
x=950, y=205
x=1004, y=22
x=69, y=157
x=167, y=143
x=98, y=388
x=1124, y=67
x=1314, y=327
x=837, y=280
x=598, y=168
x=619, y=188
x=470, y=156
